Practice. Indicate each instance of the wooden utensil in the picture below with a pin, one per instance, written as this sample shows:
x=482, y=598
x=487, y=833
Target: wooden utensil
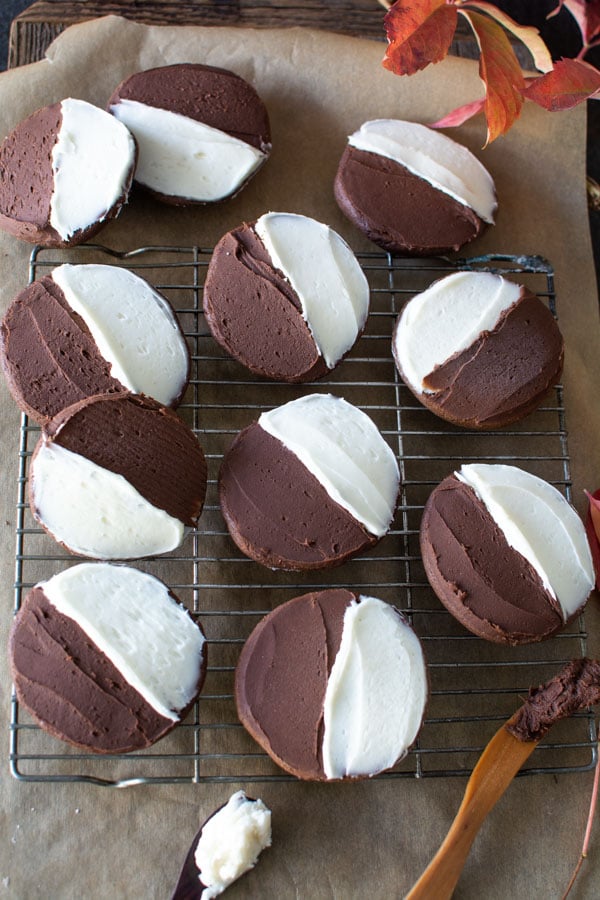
x=575, y=687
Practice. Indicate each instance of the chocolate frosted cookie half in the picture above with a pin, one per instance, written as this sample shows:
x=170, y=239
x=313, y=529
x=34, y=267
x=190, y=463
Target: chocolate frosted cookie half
x=117, y=477
x=332, y=685
x=87, y=330
x=106, y=658
x=64, y=172
x=412, y=190
x=202, y=132
x=505, y=553
x=309, y=485
x=478, y=350
x=286, y=297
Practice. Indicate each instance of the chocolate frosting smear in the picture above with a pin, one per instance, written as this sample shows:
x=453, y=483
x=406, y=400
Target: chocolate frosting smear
x=576, y=687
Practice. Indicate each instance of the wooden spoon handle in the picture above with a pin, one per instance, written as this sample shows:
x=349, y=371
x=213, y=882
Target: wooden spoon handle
x=499, y=763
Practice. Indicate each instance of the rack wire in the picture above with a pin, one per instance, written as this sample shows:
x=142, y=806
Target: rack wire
x=474, y=685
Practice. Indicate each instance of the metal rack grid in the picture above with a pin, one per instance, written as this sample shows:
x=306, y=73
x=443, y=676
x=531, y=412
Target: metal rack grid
x=474, y=686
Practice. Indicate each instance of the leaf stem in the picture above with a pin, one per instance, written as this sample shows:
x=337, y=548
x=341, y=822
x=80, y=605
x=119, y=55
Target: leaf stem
x=590, y=822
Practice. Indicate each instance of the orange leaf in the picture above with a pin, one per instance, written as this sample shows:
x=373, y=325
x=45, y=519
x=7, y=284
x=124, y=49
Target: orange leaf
x=419, y=32
x=501, y=74
x=570, y=82
x=459, y=115
x=527, y=34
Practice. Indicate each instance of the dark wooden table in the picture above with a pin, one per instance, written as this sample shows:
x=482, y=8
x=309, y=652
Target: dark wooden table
x=35, y=28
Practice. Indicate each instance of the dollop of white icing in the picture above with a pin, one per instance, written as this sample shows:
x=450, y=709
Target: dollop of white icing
x=91, y=161
x=230, y=843
x=539, y=523
x=96, y=512
x=326, y=276
x=180, y=157
x=133, y=326
x=133, y=619
x=376, y=692
x=343, y=448
x=438, y=159
x=448, y=318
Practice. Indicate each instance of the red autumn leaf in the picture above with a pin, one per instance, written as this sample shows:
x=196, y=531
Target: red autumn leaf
x=500, y=72
x=587, y=15
x=419, y=33
x=570, y=82
x=592, y=527
x=527, y=34
x=459, y=115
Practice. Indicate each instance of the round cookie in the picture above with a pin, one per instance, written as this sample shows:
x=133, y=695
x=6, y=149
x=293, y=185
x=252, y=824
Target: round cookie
x=227, y=845
x=104, y=657
x=309, y=485
x=478, y=350
x=332, y=685
x=86, y=330
x=412, y=190
x=286, y=297
x=64, y=172
x=202, y=132
x=505, y=553
x=117, y=477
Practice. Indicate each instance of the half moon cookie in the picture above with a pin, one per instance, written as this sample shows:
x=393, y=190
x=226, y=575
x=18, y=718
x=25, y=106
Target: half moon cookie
x=91, y=329
x=478, y=350
x=309, y=485
x=202, y=132
x=505, y=553
x=64, y=172
x=332, y=685
x=412, y=190
x=117, y=477
x=106, y=658
x=286, y=297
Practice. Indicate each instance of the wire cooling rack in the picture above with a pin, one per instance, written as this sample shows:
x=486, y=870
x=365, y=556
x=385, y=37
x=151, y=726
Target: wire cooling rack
x=474, y=685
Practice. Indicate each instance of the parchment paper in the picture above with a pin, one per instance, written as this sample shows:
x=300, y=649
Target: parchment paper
x=370, y=839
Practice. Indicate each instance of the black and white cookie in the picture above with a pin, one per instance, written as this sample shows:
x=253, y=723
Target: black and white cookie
x=309, y=485
x=478, y=350
x=202, y=132
x=117, y=477
x=64, y=172
x=104, y=657
x=505, y=553
x=286, y=297
x=413, y=190
x=91, y=329
x=332, y=685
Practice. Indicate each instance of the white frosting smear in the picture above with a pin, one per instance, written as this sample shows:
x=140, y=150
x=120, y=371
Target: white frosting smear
x=448, y=318
x=180, y=157
x=438, y=159
x=325, y=275
x=376, y=692
x=540, y=524
x=134, y=621
x=91, y=161
x=133, y=326
x=342, y=447
x=96, y=512
x=230, y=843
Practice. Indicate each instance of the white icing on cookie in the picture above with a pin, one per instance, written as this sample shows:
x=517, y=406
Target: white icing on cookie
x=540, y=524
x=343, y=448
x=133, y=326
x=95, y=512
x=376, y=692
x=326, y=276
x=135, y=622
x=180, y=157
x=448, y=318
x=446, y=165
x=91, y=162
